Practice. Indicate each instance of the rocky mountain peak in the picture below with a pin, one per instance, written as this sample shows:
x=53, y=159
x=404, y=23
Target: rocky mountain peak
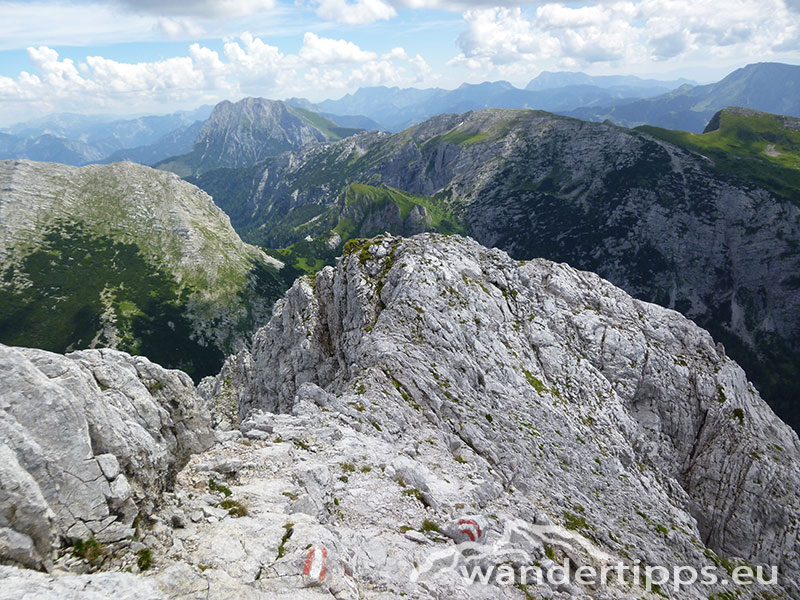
x=248, y=131
x=579, y=399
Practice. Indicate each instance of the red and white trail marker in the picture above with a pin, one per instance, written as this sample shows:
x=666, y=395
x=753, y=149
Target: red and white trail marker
x=470, y=528
x=316, y=565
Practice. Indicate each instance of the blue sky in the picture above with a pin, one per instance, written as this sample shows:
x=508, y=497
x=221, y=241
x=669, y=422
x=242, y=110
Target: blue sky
x=156, y=56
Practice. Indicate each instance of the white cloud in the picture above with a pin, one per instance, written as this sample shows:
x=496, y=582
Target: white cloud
x=558, y=16
x=327, y=51
x=180, y=28
x=54, y=23
x=752, y=28
x=174, y=74
x=256, y=65
x=25, y=23
x=502, y=35
x=396, y=53
x=326, y=79
x=246, y=66
x=670, y=44
x=198, y=8
x=375, y=73
x=623, y=33
x=355, y=13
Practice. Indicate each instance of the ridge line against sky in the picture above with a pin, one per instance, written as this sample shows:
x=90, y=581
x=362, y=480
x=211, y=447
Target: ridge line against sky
x=137, y=56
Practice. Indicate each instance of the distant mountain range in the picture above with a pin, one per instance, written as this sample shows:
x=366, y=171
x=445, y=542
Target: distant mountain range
x=396, y=108
x=79, y=139
x=548, y=80
x=174, y=143
x=623, y=99
x=770, y=87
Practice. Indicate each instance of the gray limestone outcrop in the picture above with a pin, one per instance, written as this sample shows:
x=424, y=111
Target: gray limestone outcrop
x=88, y=441
x=619, y=417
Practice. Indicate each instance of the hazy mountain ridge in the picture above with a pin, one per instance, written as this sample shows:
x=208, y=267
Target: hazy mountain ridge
x=769, y=87
x=47, y=148
x=129, y=257
x=81, y=139
x=395, y=108
x=649, y=216
x=549, y=80
x=176, y=142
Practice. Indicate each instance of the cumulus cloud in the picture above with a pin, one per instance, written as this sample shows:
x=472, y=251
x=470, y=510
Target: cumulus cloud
x=396, y=53
x=622, y=32
x=252, y=63
x=728, y=28
x=670, y=44
x=246, y=66
x=502, y=35
x=327, y=51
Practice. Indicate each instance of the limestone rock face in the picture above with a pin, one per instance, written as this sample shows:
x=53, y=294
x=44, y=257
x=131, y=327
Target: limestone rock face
x=246, y=132
x=617, y=417
x=87, y=442
x=250, y=130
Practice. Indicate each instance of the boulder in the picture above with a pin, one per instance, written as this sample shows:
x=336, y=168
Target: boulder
x=88, y=441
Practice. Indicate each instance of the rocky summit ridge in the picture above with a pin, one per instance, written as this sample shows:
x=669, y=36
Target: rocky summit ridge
x=425, y=383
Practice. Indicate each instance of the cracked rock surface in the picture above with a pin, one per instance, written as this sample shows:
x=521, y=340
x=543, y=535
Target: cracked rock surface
x=88, y=441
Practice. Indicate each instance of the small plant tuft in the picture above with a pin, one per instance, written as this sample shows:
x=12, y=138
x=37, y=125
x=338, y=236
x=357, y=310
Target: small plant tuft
x=234, y=508
x=144, y=559
x=535, y=382
x=414, y=492
x=89, y=550
x=287, y=533
x=573, y=521
x=429, y=526
x=218, y=487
